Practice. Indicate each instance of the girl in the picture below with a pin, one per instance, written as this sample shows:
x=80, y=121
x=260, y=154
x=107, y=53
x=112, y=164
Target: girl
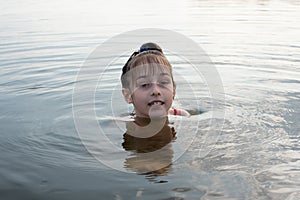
x=147, y=83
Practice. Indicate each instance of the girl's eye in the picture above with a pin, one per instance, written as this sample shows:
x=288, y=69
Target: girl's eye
x=164, y=82
x=144, y=85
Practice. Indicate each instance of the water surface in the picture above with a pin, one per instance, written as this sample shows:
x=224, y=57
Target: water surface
x=254, y=45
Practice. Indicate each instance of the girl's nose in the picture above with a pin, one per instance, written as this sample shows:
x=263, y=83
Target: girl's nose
x=155, y=90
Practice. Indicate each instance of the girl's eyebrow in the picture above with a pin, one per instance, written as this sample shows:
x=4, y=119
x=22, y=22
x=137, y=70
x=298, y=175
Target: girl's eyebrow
x=161, y=74
x=164, y=74
x=141, y=77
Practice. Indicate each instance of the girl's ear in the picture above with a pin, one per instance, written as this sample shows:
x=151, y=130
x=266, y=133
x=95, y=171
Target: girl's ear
x=174, y=90
x=127, y=95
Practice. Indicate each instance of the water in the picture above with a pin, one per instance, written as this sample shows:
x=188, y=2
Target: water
x=253, y=44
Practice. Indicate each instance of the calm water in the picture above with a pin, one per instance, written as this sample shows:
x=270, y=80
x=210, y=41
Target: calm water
x=254, y=45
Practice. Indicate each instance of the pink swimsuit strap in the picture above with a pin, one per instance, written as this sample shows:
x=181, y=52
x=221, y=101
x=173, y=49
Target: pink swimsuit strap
x=175, y=111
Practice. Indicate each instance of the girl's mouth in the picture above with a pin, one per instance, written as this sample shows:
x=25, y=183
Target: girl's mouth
x=155, y=103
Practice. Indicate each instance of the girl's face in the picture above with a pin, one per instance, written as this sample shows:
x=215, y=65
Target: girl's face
x=151, y=90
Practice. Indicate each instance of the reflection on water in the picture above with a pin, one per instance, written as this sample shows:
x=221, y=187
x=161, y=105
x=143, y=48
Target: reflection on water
x=145, y=157
x=254, y=45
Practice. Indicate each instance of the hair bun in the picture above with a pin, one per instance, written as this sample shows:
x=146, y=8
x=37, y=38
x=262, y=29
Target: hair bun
x=150, y=46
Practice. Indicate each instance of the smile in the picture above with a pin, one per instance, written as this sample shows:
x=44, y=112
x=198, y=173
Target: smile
x=155, y=103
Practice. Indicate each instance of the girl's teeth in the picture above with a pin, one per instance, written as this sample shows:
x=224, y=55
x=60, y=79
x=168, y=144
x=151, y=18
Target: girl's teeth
x=156, y=103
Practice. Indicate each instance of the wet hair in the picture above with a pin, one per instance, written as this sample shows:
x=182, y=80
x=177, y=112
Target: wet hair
x=148, y=54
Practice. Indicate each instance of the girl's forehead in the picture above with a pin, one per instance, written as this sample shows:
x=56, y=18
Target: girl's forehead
x=150, y=70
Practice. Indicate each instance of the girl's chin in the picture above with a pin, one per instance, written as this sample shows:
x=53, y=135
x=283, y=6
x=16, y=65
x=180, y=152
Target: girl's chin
x=157, y=113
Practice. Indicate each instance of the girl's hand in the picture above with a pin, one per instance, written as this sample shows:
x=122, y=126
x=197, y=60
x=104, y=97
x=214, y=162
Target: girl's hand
x=180, y=112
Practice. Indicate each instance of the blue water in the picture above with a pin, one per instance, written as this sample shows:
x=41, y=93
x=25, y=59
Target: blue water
x=255, y=47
